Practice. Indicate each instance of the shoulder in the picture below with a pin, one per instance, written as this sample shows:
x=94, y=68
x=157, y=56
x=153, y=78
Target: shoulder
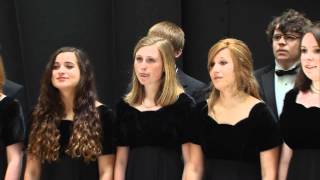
x=264, y=70
x=9, y=104
x=11, y=88
x=262, y=112
x=186, y=79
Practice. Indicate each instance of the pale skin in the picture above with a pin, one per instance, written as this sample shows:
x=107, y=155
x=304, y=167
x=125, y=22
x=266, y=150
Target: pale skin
x=286, y=51
x=148, y=66
x=240, y=104
x=65, y=77
x=310, y=62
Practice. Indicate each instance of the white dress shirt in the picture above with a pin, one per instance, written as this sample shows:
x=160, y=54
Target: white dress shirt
x=283, y=84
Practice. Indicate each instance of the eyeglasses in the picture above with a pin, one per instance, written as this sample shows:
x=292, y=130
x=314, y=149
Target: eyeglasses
x=286, y=37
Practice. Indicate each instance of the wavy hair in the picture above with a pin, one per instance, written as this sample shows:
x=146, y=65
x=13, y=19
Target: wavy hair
x=170, y=88
x=85, y=139
x=242, y=60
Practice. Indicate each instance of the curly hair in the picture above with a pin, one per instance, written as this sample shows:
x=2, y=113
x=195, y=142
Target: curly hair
x=85, y=140
x=289, y=21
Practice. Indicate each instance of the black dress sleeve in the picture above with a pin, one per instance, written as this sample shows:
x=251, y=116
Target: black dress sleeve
x=14, y=128
x=267, y=131
x=107, y=118
x=121, y=132
x=188, y=122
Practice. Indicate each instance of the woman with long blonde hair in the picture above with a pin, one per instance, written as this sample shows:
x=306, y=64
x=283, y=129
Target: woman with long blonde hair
x=152, y=120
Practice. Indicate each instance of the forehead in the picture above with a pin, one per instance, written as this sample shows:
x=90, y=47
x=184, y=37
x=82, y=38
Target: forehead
x=309, y=40
x=278, y=31
x=66, y=57
x=151, y=50
x=223, y=54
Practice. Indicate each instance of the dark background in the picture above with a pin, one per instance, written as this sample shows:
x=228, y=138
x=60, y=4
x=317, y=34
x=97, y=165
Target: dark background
x=30, y=30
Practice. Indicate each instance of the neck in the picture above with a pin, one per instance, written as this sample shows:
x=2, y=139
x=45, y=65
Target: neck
x=67, y=99
x=151, y=92
x=230, y=99
x=286, y=64
x=315, y=87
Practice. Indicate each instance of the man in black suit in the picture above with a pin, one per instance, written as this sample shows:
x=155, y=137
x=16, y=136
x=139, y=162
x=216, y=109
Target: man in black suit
x=12, y=89
x=275, y=80
x=175, y=35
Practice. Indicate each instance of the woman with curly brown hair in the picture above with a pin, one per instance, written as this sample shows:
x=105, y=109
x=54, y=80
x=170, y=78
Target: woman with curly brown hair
x=71, y=133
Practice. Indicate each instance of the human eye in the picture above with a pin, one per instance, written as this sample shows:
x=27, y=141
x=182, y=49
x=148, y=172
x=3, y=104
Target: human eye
x=277, y=37
x=69, y=65
x=303, y=50
x=55, y=66
x=290, y=37
x=151, y=60
x=317, y=50
x=211, y=64
x=138, y=59
x=223, y=62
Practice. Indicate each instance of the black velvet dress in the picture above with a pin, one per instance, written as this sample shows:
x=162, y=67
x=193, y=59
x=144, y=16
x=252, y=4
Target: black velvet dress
x=232, y=151
x=154, y=139
x=11, y=129
x=300, y=128
x=68, y=168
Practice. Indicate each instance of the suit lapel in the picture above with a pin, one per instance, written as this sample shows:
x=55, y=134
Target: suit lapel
x=269, y=91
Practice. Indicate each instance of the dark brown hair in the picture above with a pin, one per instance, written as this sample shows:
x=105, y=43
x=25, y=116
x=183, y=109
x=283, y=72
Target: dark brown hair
x=303, y=83
x=85, y=140
x=289, y=21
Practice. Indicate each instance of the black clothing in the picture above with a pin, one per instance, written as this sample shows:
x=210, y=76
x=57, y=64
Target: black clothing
x=12, y=128
x=300, y=128
x=154, y=139
x=233, y=151
x=68, y=168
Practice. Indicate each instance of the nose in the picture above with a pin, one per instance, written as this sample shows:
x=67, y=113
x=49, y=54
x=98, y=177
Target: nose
x=282, y=40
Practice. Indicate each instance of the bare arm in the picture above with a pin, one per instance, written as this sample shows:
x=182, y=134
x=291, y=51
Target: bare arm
x=14, y=156
x=286, y=154
x=121, y=163
x=269, y=163
x=33, y=168
x=106, y=166
x=193, y=166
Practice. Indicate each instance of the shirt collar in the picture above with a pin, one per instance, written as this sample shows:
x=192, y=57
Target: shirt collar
x=278, y=67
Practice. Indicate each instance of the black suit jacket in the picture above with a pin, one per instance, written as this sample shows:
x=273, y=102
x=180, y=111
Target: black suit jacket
x=15, y=91
x=191, y=86
x=265, y=78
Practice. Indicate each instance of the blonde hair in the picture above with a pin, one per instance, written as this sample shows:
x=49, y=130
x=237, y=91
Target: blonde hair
x=243, y=68
x=169, y=88
x=2, y=75
x=170, y=31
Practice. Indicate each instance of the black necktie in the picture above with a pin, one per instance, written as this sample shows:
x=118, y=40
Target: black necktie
x=289, y=72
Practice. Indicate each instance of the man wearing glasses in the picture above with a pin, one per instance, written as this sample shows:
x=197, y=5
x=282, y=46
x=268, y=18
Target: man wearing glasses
x=284, y=33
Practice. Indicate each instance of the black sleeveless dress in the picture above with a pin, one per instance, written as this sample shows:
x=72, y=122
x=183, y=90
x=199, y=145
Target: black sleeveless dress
x=232, y=152
x=154, y=139
x=12, y=129
x=68, y=168
x=300, y=128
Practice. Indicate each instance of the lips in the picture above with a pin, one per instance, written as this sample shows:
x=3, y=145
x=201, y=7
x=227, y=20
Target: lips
x=281, y=51
x=143, y=75
x=62, y=78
